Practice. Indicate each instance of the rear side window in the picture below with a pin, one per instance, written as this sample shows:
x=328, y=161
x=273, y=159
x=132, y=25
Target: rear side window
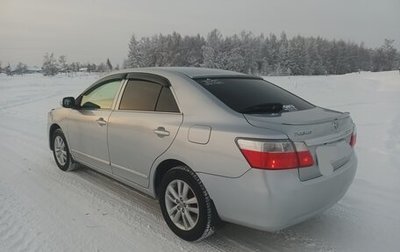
x=166, y=102
x=242, y=94
x=140, y=95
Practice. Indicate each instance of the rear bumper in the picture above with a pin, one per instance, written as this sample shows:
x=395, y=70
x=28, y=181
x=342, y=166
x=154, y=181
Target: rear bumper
x=272, y=200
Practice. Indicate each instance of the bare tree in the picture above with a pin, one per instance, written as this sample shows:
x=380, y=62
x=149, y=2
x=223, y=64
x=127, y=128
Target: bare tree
x=50, y=66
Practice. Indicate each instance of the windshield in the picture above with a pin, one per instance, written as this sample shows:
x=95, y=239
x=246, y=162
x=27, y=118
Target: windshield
x=253, y=95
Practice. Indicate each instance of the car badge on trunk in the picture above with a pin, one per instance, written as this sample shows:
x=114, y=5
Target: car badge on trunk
x=303, y=133
x=335, y=124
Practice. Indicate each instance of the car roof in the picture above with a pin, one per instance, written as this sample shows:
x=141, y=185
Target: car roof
x=191, y=72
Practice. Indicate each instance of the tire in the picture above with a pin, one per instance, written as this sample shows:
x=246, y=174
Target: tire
x=181, y=205
x=61, y=153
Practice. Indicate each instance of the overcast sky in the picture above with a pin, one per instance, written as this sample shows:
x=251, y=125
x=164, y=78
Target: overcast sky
x=94, y=30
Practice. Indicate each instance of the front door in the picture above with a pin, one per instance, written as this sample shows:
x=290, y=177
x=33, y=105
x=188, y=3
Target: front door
x=87, y=126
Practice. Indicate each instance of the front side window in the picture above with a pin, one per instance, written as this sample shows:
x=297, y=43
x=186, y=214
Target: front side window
x=101, y=97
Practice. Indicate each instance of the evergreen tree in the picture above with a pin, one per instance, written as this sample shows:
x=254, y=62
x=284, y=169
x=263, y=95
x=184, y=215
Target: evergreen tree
x=212, y=50
x=385, y=57
x=109, y=66
x=261, y=55
x=191, y=50
x=273, y=53
x=283, y=67
x=247, y=44
x=297, y=56
x=135, y=54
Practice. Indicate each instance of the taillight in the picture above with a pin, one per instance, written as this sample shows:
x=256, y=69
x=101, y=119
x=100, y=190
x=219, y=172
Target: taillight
x=353, y=138
x=276, y=154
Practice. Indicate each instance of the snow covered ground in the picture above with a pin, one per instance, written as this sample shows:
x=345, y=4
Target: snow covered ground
x=44, y=209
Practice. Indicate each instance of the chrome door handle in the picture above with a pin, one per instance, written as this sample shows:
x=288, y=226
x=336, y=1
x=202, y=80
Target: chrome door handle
x=101, y=121
x=161, y=132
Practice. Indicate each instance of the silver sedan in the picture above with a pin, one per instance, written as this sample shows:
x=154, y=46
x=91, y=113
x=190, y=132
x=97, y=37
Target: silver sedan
x=210, y=144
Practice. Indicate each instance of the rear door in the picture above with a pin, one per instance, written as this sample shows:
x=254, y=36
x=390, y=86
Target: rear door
x=142, y=127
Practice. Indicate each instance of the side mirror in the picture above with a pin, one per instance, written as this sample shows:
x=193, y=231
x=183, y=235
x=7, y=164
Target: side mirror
x=68, y=102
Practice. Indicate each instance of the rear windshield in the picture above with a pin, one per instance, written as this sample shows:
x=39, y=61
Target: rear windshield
x=240, y=94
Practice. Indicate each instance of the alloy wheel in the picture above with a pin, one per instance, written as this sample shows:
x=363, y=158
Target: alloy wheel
x=182, y=205
x=60, y=150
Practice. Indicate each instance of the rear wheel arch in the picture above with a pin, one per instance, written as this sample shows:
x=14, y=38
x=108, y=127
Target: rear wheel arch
x=161, y=170
x=205, y=223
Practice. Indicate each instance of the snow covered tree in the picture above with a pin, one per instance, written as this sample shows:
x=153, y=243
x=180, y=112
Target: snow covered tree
x=21, y=68
x=191, y=50
x=7, y=70
x=384, y=58
x=212, y=50
x=62, y=61
x=125, y=64
x=101, y=67
x=248, y=46
x=135, y=54
x=74, y=67
x=296, y=56
x=364, y=58
x=271, y=53
x=234, y=60
x=313, y=59
x=261, y=55
x=284, y=60
x=50, y=66
x=91, y=67
x=222, y=53
x=167, y=50
x=209, y=57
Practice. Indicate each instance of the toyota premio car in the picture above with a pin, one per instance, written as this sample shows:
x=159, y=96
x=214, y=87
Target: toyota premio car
x=210, y=145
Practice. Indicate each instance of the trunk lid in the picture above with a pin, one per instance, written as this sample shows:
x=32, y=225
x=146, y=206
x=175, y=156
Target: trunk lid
x=325, y=132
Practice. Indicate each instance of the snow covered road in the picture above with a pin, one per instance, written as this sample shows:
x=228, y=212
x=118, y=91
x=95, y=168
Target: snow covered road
x=45, y=209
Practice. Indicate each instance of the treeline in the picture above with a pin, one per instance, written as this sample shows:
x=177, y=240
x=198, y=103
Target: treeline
x=52, y=66
x=261, y=55
x=20, y=68
x=244, y=52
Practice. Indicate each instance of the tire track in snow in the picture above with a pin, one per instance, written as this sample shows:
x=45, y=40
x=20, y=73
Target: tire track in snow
x=96, y=192
x=23, y=101
x=16, y=222
x=393, y=138
x=137, y=212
